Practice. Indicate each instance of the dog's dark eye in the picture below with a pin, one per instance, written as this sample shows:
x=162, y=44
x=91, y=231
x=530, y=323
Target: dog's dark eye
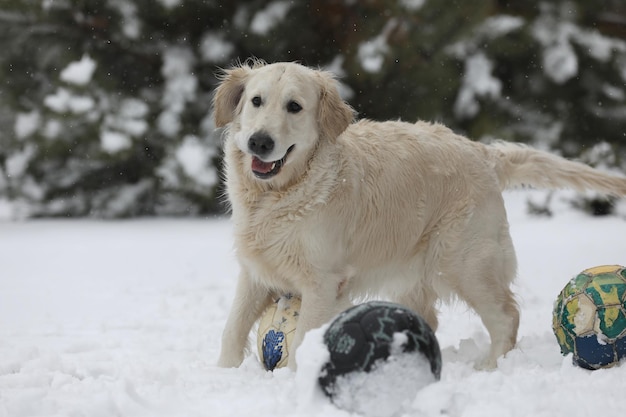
x=293, y=107
x=256, y=101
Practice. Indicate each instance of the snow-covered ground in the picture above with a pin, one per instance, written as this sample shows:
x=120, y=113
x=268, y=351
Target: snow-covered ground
x=124, y=318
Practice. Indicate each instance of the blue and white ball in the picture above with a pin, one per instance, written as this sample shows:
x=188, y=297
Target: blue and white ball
x=277, y=327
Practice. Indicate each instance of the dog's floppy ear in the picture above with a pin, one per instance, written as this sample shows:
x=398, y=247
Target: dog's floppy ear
x=228, y=94
x=334, y=114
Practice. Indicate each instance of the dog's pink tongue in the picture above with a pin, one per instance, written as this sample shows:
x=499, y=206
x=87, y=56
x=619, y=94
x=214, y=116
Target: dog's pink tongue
x=260, y=166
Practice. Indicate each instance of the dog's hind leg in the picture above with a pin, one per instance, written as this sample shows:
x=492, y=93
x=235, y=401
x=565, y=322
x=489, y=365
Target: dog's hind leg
x=500, y=315
x=249, y=302
x=479, y=265
x=485, y=286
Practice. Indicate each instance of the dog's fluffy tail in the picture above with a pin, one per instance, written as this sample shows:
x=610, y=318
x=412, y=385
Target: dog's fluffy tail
x=518, y=165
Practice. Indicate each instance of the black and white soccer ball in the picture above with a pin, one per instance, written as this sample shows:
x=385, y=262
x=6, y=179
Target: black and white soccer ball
x=379, y=354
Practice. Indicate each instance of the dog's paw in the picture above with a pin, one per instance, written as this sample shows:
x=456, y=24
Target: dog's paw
x=486, y=364
x=229, y=361
x=291, y=363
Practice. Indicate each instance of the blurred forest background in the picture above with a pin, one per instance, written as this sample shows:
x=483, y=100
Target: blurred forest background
x=105, y=105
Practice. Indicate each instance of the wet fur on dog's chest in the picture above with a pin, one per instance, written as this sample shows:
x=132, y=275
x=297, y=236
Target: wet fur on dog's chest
x=275, y=232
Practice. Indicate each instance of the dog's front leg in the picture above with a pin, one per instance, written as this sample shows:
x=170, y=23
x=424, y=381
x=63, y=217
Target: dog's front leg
x=250, y=301
x=317, y=308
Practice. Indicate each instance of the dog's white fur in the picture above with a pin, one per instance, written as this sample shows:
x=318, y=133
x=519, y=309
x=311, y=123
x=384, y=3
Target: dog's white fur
x=410, y=212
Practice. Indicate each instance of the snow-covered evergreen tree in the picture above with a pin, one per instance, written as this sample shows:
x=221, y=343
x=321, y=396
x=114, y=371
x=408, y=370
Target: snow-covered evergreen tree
x=104, y=111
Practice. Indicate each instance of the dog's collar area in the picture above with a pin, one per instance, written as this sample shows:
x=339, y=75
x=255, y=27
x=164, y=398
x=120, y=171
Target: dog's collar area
x=266, y=170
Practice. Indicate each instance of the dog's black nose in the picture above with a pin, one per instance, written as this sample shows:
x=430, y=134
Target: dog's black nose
x=260, y=143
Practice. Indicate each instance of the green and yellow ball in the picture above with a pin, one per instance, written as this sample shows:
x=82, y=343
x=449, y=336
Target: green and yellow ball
x=589, y=318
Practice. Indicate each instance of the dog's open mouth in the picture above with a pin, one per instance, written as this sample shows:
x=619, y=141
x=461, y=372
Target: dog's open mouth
x=265, y=170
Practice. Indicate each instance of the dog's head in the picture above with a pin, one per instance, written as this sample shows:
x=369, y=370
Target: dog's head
x=278, y=114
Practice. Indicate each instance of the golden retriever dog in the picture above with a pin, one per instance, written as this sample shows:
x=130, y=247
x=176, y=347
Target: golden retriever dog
x=335, y=210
